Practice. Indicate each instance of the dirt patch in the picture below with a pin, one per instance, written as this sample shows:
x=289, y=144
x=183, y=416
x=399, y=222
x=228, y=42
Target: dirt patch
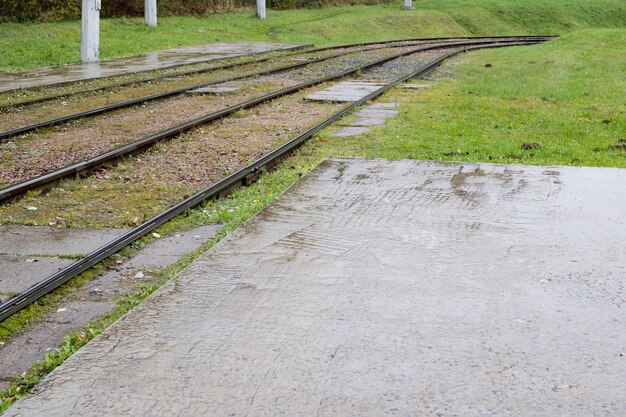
x=529, y=146
x=620, y=145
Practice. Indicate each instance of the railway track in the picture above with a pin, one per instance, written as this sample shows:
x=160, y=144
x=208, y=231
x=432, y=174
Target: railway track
x=292, y=52
x=240, y=177
x=365, y=46
x=166, y=94
x=85, y=166
x=4, y=135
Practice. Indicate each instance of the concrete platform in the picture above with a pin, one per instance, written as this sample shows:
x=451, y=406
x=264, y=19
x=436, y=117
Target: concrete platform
x=382, y=288
x=375, y=114
x=42, y=240
x=345, y=91
x=146, y=62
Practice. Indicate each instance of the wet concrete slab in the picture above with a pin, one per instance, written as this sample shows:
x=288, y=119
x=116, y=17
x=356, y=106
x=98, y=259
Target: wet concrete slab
x=213, y=90
x=19, y=272
x=29, y=254
x=30, y=347
x=375, y=114
x=169, y=249
x=382, y=288
x=345, y=91
x=415, y=86
x=348, y=131
x=42, y=240
x=146, y=62
x=95, y=298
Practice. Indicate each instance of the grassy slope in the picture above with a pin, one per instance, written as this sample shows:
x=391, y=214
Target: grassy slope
x=36, y=44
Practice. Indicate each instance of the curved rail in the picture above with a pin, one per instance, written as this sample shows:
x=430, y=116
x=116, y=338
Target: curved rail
x=225, y=66
x=147, y=141
x=4, y=135
x=239, y=177
x=165, y=94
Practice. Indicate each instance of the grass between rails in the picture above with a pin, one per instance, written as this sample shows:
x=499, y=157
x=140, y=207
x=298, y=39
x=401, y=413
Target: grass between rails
x=32, y=45
x=566, y=95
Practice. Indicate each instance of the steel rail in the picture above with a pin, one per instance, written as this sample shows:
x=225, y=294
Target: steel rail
x=4, y=135
x=165, y=94
x=37, y=291
x=186, y=73
x=64, y=83
x=5, y=107
x=180, y=74
x=138, y=145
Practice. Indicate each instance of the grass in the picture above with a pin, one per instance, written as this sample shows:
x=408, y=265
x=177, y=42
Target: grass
x=32, y=45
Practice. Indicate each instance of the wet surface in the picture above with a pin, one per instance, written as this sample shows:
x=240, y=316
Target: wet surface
x=42, y=240
x=29, y=254
x=345, y=91
x=382, y=288
x=153, y=60
x=19, y=272
x=95, y=298
x=375, y=114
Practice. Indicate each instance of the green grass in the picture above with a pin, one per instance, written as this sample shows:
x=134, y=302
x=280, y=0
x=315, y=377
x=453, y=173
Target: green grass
x=41, y=44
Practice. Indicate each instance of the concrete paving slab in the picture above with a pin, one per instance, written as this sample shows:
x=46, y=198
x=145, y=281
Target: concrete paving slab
x=370, y=112
x=95, y=298
x=369, y=121
x=146, y=62
x=42, y=240
x=374, y=114
x=213, y=90
x=415, y=86
x=345, y=91
x=382, y=288
x=348, y=131
x=19, y=355
x=385, y=106
x=169, y=249
x=19, y=272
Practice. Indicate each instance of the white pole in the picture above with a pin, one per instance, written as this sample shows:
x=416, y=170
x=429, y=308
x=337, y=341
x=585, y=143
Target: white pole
x=408, y=5
x=260, y=9
x=90, y=31
x=150, y=13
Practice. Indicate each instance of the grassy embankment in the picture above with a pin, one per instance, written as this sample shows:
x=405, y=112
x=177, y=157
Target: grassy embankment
x=41, y=44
